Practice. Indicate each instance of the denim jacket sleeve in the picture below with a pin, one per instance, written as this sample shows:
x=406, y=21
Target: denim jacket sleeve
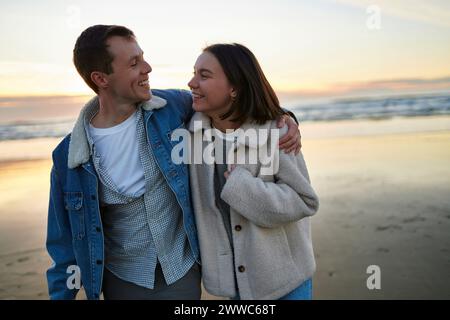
x=187, y=105
x=59, y=243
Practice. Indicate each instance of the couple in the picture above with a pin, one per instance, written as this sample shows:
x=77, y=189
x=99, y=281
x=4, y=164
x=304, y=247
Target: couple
x=127, y=215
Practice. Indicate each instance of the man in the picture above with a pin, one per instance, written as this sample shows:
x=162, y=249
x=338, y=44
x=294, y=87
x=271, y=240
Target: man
x=120, y=209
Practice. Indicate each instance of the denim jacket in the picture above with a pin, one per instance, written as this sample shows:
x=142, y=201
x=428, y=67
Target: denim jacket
x=75, y=238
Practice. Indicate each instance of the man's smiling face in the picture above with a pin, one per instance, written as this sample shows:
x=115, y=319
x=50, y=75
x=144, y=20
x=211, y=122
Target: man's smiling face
x=129, y=80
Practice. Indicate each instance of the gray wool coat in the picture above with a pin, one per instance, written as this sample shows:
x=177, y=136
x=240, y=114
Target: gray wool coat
x=273, y=252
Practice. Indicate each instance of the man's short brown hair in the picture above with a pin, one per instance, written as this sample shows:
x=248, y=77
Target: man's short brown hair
x=91, y=51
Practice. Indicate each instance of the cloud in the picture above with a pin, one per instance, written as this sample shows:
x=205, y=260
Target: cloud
x=12, y=68
x=22, y=78
x=376, y=87
x=395, y=84
x=436, y=12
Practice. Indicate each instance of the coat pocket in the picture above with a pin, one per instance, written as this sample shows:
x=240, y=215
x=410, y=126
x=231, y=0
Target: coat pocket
x=73, y=202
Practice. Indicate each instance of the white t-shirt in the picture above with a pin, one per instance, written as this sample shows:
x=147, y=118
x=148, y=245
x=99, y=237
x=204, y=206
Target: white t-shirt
x=119, y=155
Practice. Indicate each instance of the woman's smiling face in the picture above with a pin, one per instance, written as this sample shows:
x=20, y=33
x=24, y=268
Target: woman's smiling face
x=210, y=87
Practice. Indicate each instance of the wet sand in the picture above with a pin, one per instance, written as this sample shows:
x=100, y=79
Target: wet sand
x=384, y=200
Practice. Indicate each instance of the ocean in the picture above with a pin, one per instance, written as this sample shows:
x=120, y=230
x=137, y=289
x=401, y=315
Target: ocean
x=38, y=117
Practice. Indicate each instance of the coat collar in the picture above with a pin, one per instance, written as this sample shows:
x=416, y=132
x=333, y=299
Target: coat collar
x=79, y=151
x=200, y=121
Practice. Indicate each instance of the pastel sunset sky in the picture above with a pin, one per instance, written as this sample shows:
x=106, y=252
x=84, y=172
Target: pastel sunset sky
x=306, y=48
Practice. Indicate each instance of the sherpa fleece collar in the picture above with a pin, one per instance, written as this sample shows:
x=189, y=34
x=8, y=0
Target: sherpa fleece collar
x=79, y=151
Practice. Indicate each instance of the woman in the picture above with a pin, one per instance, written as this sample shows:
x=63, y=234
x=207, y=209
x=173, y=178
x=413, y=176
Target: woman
x=252, y=216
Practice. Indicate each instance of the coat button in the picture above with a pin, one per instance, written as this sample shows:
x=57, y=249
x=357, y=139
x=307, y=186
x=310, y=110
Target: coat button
x=241, y=269
x=93, y=197
x=238, y=228
x=99, y=261
x=98, y=229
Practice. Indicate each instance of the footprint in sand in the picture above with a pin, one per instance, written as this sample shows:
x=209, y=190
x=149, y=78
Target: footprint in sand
x=391, y=226
x=384, y=250
x=414, y=219
x=23, y=259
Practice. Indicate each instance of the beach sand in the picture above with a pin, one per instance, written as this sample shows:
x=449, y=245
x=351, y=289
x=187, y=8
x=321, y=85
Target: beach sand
x=384, y=200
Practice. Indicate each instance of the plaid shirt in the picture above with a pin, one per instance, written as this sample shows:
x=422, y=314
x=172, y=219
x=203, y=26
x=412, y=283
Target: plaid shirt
x=141, y=230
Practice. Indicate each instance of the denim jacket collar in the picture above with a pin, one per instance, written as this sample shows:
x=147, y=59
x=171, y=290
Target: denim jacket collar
x=79, y=150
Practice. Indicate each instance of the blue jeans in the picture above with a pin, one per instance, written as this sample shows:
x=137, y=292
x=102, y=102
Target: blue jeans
x=302, y=292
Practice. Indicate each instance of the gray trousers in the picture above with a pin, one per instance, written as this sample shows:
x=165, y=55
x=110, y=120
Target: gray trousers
x=186, y=288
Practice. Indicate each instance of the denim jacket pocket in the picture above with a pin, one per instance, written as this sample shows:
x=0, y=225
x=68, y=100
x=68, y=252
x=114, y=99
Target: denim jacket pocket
x=73, y=202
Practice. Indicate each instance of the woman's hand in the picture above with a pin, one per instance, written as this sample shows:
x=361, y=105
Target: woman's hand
x=227, y=173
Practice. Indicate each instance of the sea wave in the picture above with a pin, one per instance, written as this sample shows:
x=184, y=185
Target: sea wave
x=38, y=125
